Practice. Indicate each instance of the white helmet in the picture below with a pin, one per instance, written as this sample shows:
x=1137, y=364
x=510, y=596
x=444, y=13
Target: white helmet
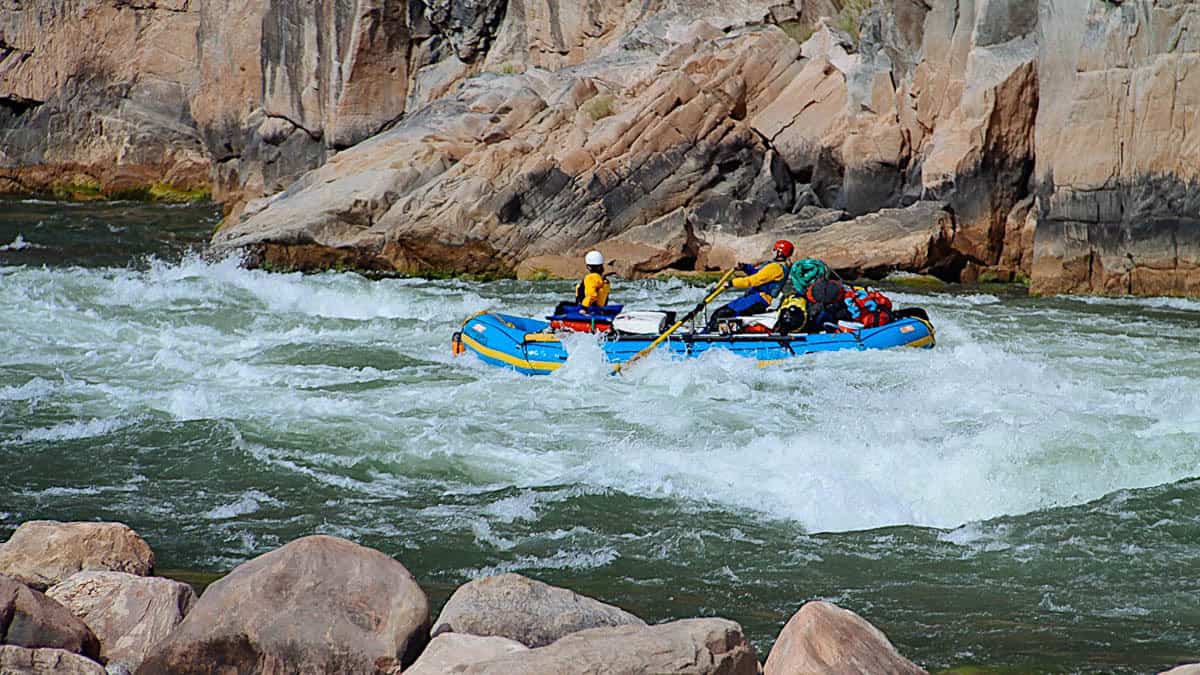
x=594, y=258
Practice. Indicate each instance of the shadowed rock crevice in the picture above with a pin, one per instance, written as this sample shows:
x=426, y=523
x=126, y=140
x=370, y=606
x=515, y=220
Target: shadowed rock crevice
x=1133, y=237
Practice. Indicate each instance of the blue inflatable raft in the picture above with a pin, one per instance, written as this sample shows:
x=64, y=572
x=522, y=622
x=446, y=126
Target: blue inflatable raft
x=530, y=346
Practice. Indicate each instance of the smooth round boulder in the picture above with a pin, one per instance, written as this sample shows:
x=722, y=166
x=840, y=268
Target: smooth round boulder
x=129, y=614
x=29, y=619
x=523, y=609
x=824, y=638
x=44, y=661
x=317, y=605
x=42, y=553
x=448, y=652
x=691, y=646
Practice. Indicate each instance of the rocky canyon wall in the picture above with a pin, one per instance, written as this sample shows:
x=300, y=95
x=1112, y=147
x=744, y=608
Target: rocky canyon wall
x=1118, y=147
x=1048, y=140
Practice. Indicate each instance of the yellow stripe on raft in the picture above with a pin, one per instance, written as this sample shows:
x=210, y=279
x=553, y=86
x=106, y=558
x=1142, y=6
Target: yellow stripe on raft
x=923, y=342
x=930, y=340
x=541, y=337
x=510, y=359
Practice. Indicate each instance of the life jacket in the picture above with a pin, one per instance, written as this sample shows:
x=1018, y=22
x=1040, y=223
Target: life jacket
x=770, y=290
x=867, y=306
x=602, y=291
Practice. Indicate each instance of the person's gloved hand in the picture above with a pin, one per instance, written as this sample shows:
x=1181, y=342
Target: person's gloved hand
x=746, y=268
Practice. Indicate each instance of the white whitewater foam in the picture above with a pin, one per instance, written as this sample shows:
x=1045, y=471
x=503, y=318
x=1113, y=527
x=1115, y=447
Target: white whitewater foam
x=75, y=430
x=1021, y=406
x=18, y=244
x=248, y=502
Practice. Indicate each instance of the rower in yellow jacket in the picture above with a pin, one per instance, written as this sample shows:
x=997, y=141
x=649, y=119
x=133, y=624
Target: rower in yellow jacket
x=763, y=283
x=593, y=290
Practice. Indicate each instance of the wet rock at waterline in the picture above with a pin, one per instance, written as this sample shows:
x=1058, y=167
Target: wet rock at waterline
x=128, y=614
x=45, y=661
x=515, y=166
x=42, y=553
x=694, y=646
x=449, y=653
x=30, y=619
x=824, y=638
x=317, y=604
x=530, y=612
x=1118, y=159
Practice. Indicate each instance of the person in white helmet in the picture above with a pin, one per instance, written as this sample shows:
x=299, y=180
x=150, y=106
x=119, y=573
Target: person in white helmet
x=593, y=290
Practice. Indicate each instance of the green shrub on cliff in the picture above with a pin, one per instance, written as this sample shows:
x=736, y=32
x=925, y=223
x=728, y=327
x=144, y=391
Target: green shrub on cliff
x=798, y=30
x=87, y=189
x=847, y=20
x=162, y=192
x=78, y=190
x=598, y=107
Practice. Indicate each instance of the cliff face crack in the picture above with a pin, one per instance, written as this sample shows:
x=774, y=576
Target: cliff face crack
x=796, y=117
x=315, y=135
x=137, y=6
x=18, y=105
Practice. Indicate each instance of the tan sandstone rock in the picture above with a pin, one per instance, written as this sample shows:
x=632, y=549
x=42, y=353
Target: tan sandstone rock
x=1190, y=669
x=42, y=553
x=318, y=604
x=29, y=619
x=1118, y=161
x=693, y=646
x=824, y=638
x=129, y=614
x=23, y=661
x=98, y=96
x=918, y=237
x=526, y=610
x=515, y=167
x=449, y=653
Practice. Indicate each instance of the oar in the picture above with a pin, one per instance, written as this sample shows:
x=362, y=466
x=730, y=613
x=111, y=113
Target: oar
x=667, y=333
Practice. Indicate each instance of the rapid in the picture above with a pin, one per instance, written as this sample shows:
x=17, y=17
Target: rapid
x=1026, y=494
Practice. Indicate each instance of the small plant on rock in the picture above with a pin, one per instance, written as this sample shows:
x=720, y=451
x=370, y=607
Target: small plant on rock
x=848, y=19
x=798, y=30
x=599, y=106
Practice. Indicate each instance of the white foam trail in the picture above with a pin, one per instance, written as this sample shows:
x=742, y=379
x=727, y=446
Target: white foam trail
x=19, y=244
x=248, y=502
x=75, y=430
x=1022, y=406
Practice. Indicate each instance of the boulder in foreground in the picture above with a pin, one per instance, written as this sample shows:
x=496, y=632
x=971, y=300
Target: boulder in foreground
x=317, y=605
x=25, y=661
x=29, y=619
x=523, y=609
x=693, y=646
x=42, y=553
x=448, y=653
x=129, y=614
x=824, y=638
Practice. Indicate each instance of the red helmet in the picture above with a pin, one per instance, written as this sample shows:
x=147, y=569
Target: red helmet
x=784, y=248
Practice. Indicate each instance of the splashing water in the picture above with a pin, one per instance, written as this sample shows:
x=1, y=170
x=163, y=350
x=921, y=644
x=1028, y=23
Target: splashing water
x=1044, y=449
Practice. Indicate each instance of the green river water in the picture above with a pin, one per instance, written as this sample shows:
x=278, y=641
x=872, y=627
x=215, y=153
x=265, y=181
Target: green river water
x=1025, y=495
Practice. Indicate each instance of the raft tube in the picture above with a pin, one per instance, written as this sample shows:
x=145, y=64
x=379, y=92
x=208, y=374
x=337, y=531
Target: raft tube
x=527, y=346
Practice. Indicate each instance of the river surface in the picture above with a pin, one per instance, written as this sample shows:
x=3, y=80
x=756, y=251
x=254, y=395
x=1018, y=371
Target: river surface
x=1024, y=495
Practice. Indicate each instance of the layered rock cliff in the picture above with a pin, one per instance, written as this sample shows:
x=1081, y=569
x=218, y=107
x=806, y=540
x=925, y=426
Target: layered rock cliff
x=1007, y=139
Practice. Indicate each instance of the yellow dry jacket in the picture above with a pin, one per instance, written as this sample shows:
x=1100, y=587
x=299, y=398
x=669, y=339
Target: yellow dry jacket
x=766, y=281
x=593, y=290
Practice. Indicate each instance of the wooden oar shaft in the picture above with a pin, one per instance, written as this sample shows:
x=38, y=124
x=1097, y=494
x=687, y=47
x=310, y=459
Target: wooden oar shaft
x=674, y=327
